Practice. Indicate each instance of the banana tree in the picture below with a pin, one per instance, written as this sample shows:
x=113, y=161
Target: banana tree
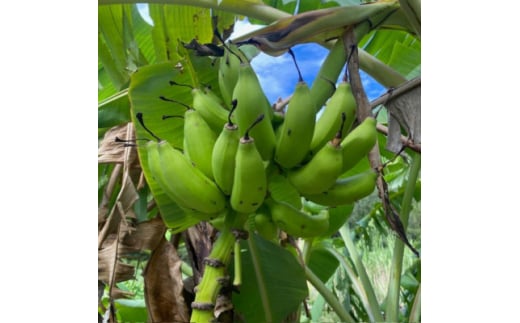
x=235, y=263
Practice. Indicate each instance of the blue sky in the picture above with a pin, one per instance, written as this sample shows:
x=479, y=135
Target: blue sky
x=278, y=75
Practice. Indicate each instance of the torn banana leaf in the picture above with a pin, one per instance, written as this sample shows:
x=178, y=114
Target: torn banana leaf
x=316, y=26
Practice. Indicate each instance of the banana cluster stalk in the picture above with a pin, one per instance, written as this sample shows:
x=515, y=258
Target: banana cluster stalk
x=232, y=144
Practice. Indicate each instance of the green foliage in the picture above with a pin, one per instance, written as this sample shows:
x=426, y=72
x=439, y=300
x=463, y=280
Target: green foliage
x=273, y=289
x=137, y=62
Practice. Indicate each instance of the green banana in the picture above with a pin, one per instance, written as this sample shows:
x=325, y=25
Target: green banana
x=252, y=102
x=265, y=226
x=341, y=101
x=297, y=128
x=224, y=152
x=322, y=170
x=199, y=140
x=207, y=104
x=187, y=183
x=184, y=183
x=228, y=74
x=323, y=85
x=250, y=179
x=296, y=222
x=154, y=164
x=358, y=143
x=346, y=190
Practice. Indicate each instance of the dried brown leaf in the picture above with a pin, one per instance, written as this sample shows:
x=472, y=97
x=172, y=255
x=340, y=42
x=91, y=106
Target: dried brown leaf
x=123, y=209
x=110, y=151
x=163, y=285
x=404, y=112
x=146, y=236
x=107, y=260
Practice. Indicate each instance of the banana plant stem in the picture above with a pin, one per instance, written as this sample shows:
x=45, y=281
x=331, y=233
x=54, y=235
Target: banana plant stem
x=243, y=8
x=392, y=303
x=373, y=306
x=328, y=296
x=209, y=286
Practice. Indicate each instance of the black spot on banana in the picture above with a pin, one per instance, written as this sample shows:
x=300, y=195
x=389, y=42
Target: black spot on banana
x=296, y=222
x=185, y=184
x=250, y=179
x=358, y=143
x=297, y=128
x=322, y=170
x=199, y=140
x=346, y=190
x=342, y=101
x=224, y=152
x=252, y=102
x=207, y=104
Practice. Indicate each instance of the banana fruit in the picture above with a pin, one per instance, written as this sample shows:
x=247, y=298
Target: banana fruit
x=296, y=222
x=223, y=156
x=199, y=140
x=323, y=86
x=207, y=104
x=251, y=102
x=182, y=181
x=322, y=170
x=250, y=179
x=235, y=150
x=346, y=190
x=297, y=128
x=228, y=74
x=342, y=101
x=358, y=143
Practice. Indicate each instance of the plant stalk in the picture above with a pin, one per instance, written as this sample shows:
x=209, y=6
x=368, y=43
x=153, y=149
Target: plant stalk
x=373, y=308
x=328, y=296
x=392, y=302
x=415, y=312
x=243, y=8
x=209, y=286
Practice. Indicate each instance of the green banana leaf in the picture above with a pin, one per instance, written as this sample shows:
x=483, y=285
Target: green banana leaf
x=397, y=49
x=131, y=310
x=322, y=263
x=273, y=289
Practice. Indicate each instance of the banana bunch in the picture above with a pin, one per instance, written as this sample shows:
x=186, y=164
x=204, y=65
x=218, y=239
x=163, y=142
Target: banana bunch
x=233, y=145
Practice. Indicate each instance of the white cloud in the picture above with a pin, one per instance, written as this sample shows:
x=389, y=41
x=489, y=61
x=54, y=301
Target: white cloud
x=243, y=27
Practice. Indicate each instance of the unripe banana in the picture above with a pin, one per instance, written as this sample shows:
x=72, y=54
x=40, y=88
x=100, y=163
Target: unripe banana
x=250, y=179
x=228, y=74
x=322, y=170
x=223, y=158
x=199, y=140
x=346, y=190
x=342, y=101
x=323, y=85
x=251, y=103
x=297, y=128
x=154, y=164
x=358, y=143
x=265, y=226
x=296, y=222
x=207, y=104
x=187, y=183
